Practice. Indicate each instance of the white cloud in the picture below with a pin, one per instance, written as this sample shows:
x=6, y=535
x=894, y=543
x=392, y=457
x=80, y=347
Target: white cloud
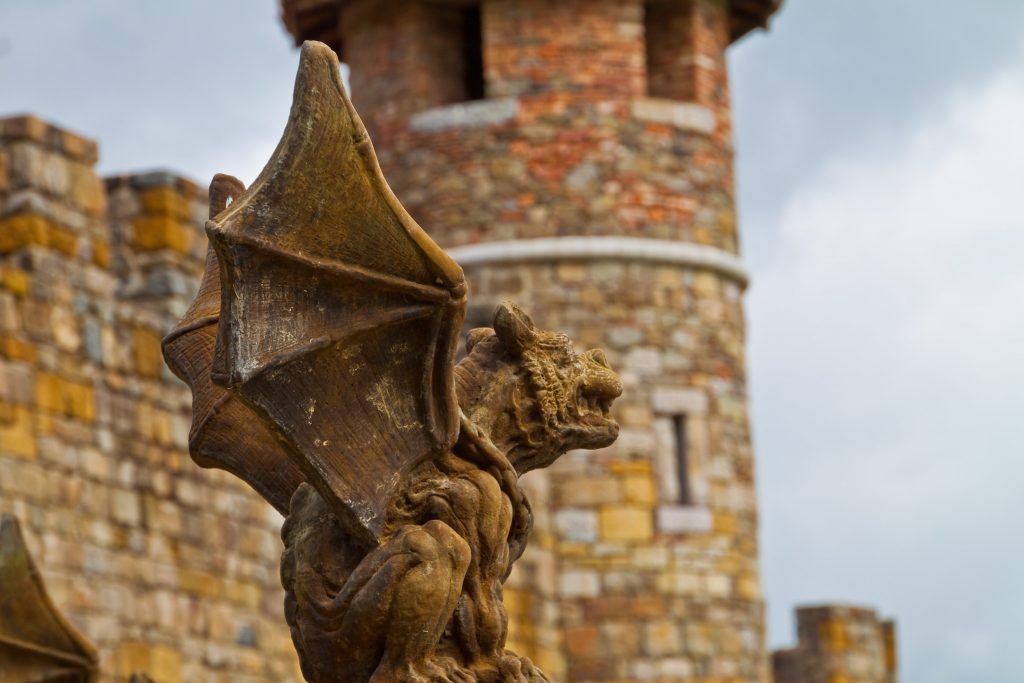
x=888, y=378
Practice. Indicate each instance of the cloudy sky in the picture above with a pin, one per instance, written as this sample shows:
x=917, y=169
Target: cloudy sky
x=881, y=160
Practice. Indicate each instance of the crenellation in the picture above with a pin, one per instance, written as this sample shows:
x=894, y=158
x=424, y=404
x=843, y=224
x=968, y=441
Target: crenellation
x=838, y=643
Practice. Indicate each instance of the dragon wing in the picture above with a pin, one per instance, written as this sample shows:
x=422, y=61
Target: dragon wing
x=339, y=315
x=36, y=641
x=225, y=434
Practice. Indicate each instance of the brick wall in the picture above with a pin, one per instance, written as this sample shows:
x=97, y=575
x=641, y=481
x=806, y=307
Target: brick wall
x=167, y=568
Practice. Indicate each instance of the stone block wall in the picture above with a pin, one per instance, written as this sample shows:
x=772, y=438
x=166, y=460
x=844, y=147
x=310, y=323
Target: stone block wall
x=839, y=644
x=168, y=568
x=624, y=581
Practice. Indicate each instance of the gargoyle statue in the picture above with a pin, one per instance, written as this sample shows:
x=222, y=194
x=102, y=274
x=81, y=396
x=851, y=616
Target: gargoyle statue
x=320, y=351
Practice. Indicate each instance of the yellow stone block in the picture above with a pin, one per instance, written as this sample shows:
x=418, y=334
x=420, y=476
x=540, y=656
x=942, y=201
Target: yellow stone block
x=160, y=663
x=200, y=583
x=58, y=395
x=748, y=588
x=727, y=222
x=572, y=272
x=639, y=489
x=17, y=281
x=706, y=284
x=162, y=427
x=132, y=657
x=725, y=523
x=153, y=232
x=49, y=393
x=15, y=349
x=144, y=421
x=630, y=466
x=626, y=523
x=101, y=254
x=45, y=424
x=165, y=665
x=17, y=437
x=165, y=201
x=146, y=350
x=243, y=593
x=17, y=232
x=839, y=678
x=63, y=241
x=88, y=191
x=833, y=635
x=75, y=146
x=20, y=231
x=728, y=564
x=81, y=401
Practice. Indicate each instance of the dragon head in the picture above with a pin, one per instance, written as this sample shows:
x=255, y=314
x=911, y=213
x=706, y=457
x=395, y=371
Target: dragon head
x=532, y=393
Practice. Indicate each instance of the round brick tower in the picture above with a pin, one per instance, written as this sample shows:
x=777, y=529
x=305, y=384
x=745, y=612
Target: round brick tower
x=575, y=156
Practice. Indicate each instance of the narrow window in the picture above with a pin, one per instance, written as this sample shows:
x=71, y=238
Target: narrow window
x=473, y=53
x=654, y=36
x=682, y=459
x=450, y=55
x=668, y=45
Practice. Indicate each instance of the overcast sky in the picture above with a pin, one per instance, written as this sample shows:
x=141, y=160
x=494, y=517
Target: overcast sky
x=881, y=160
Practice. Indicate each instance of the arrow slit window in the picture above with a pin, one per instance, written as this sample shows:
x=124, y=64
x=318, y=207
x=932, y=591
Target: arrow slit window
x=473, y=53
x=684, y=495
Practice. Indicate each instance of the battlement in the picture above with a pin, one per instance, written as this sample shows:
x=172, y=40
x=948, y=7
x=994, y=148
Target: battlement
x=839, y=644
x=50, y=197
x=30, y=128
x=163, y=210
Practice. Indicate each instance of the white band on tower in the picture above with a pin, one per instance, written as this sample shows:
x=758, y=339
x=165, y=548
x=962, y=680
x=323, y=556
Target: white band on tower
x=686, y=254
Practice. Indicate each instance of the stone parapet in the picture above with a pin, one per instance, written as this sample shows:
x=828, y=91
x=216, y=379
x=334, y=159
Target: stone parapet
x=839, y=644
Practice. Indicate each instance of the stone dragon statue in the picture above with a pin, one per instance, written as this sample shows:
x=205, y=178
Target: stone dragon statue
x=320, y=350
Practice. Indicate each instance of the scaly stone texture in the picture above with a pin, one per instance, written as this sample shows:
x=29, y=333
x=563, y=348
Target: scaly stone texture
x=838, y=644
x=168, y=568
x=628, y=577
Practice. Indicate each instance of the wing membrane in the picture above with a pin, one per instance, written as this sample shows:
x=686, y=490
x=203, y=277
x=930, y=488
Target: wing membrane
x=339, y=314
x=225, y=433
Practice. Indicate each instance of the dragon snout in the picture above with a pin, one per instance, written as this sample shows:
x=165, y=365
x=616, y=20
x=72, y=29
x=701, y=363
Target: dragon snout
x=601, y=381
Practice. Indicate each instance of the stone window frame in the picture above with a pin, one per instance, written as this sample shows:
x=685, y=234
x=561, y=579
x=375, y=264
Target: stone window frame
x=672, y=516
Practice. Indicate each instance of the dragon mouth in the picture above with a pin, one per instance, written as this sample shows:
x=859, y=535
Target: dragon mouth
x=598, y=404
x=594, y=397
x=595, y=410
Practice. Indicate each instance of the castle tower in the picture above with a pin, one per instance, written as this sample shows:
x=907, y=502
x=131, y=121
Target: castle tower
x=575, y=156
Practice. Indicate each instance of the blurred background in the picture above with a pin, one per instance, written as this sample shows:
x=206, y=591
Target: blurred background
x=880, y=157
